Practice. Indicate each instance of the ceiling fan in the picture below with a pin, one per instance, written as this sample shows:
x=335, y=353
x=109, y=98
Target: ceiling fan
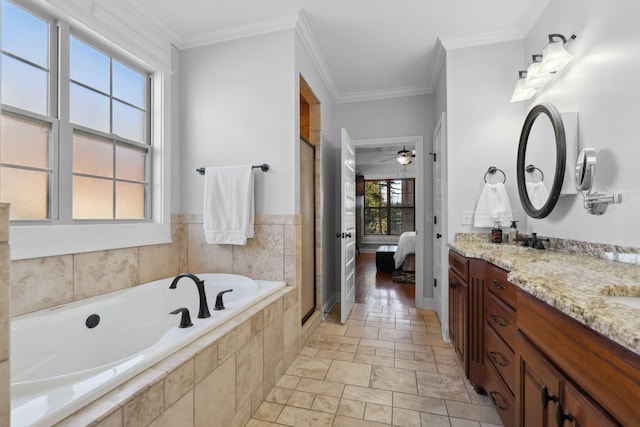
x=404, y=156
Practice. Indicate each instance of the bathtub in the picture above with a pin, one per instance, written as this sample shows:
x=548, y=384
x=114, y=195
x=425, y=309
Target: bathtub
x=60, y=364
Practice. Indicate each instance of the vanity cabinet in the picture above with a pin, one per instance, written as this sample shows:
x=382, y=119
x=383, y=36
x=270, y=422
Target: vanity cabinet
x=458, y=306
x=568, y=375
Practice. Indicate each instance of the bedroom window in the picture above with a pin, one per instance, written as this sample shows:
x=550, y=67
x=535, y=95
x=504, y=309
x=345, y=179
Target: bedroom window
x=389, y=206
x=75, y=125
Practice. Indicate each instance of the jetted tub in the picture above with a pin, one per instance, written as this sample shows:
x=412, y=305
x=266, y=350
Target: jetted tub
x=60, y=364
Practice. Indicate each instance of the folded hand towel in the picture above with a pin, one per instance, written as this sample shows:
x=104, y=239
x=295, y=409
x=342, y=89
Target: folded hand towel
x=228, y=204
x=538, y=194
x=493, y=206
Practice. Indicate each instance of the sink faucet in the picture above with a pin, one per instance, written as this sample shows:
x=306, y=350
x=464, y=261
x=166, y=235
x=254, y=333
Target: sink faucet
x=534, y=241
x=203, y=312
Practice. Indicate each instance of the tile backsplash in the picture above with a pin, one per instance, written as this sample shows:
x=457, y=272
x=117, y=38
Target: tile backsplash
x=40, y=283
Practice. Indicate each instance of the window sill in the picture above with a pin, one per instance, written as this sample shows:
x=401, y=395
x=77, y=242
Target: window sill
x=51, y=240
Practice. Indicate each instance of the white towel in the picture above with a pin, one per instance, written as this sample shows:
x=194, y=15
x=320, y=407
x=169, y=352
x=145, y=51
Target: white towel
x=538, y=193
x=493, y=206
x=228, y=204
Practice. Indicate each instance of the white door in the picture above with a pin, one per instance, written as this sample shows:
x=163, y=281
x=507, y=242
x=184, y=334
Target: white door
x=440, y=292
x=347, y=232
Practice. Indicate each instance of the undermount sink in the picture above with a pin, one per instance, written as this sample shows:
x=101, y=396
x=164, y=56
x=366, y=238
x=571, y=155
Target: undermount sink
x=633, y=302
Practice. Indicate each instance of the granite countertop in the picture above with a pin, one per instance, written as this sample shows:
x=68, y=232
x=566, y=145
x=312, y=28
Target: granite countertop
x=574, y=283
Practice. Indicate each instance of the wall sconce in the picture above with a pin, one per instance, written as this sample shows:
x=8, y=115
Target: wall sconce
x=520, y=93
x=555, y=57
x=543, y=69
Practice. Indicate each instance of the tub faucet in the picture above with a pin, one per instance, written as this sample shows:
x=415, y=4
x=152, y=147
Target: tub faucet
x=219, y=303
x=203, y=312
x=534, y=241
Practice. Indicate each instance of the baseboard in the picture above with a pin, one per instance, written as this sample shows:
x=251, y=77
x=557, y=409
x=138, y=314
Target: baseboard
x=329, y=304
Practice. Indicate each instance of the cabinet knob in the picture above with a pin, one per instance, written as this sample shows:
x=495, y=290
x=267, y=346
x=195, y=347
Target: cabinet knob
x=493, y=394
x=546, y=397
x=561, y=417
x=497, y=320
x=492, y=356
x=497, y=285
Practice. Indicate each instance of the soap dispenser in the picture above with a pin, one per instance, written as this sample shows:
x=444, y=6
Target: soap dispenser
x=513, y=232
x=496, y=233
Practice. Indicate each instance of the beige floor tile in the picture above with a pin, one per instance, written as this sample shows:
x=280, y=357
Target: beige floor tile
x=413, y=347
x=376, y=343
x=335, y=355
x=268, y=411
x=365, y=349
x=450, y=369
x=351, y=348
x=395, y=335
x=296, y=417
x=331, y=328
x=378, y=413
x=386, y=352
x=374, y=360
x=446, y=359
x=351, y=408
x=395, y=309
x=472, y=412
x=442, y=386
x=309, y=351
x=433, y=420
x=490, y=425
x=288, y=381
x=336, y=339
x=368, y=395
x=394, y=379
x=362, y=332
x=416, y=365
x=342, y=421
x=478, y=399
x=414, y=328
x=356, y=322
x=459, y=422
x=349, y=373
x=419, y=403
x=403, y=354
x=443, y=350
x=258, y=423
x=321, y=387
x=327, y=404
x=279, y=395
x=424, y=357
x=310, y=367
x=428, y=339
x=381, y=316
x=406, y=418
x=301, y=399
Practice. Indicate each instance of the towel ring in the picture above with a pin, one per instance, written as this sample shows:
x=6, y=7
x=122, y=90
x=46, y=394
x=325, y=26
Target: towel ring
x=531, y=169
x=492, y=170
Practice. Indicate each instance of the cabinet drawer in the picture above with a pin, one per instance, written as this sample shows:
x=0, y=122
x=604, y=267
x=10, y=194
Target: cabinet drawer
x=501, y=318
x=503, y=401
x=500, y=356
x=459, y=264
x=496, y=280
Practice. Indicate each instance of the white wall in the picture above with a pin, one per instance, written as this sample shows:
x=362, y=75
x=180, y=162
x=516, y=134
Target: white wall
x=483, y=126
x=602, y=85
x=238, y=107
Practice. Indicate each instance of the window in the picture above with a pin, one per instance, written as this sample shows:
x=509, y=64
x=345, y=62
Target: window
x=389, y=206
x=75, y=125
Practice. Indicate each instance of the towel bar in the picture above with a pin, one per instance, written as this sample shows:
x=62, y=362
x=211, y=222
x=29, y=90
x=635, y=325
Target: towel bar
x=263, y=167
x=492, y=170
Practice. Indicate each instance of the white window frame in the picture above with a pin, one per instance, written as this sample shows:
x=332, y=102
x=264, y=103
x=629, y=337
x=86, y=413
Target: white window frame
x=41, y=240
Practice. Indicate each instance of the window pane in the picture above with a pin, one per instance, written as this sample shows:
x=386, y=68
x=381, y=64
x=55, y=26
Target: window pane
x=128, y=122
x=92, y=198
x=128, y=85
x=24, y=142
x=375, y=221
x=130, y=163
x=89, y=66
x=27, y=191
x=402, y=219
x=24, y=86
x=25, y=35
x=129, y=200
x=92, y=156
x=89, y=108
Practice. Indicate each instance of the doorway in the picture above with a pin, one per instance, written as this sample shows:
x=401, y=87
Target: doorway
x=308, y=229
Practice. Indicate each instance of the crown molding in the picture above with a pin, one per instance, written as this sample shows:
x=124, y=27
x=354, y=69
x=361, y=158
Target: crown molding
x=394, y=140
x=481, y=39
x=375, y=95
x=287, y=22
x=438, y=64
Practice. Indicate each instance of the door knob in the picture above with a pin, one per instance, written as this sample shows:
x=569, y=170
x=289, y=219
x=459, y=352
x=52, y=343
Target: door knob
x=438, y=235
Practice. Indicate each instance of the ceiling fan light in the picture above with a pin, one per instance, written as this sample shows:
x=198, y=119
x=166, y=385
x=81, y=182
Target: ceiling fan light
x=404, y=160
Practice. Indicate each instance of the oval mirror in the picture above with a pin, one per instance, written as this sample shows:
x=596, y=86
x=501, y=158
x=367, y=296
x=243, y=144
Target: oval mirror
x=541, y=160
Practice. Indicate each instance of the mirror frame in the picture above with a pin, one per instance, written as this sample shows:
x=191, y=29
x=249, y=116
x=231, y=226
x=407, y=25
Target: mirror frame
x=561, y=159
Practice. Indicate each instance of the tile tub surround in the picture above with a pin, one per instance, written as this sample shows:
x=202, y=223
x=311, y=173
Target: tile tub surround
x=273, y=254
x=576, y=284
x=388, y=365
x=5, y=409
x=220, y=379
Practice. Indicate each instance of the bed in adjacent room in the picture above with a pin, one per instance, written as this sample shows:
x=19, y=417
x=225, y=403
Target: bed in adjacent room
x=405, y=256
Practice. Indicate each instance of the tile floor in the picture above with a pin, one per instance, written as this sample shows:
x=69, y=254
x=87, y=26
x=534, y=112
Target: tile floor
x=388, y=365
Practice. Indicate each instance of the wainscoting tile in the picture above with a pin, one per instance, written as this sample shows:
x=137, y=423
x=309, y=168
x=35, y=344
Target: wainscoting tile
x=96, y=273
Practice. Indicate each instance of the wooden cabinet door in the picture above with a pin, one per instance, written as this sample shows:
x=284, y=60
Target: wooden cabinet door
x=577, y=410
x=458, y=317
x=539, y=387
